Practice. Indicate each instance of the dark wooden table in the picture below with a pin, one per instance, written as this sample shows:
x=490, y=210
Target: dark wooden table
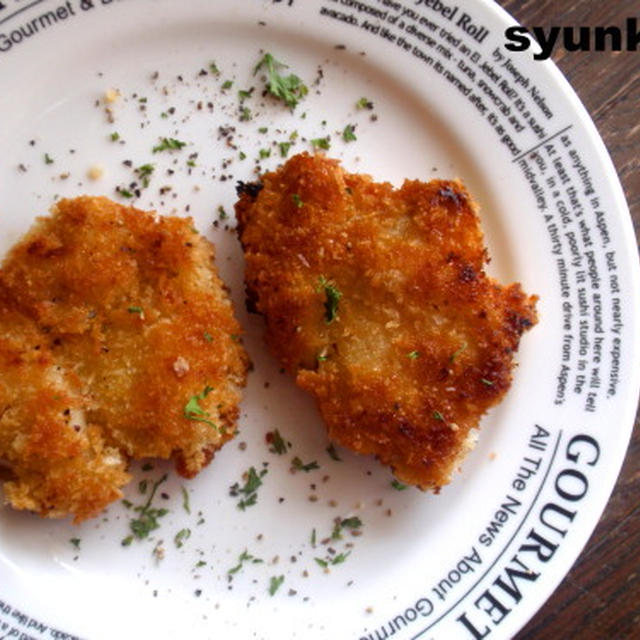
x=600, y=598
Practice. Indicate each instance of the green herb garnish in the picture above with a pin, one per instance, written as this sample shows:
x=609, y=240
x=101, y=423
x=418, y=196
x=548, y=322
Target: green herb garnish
x=290, y=89
x=207, y=336
x=340, y=558
x=213, y=68
x=337, y=559
x=137, y=310
x=487, y=382
x=398, y=486
x=48, y=159
x=193, y=410
x=185, y=500
x=352, y=523
x=278, y=444
x=245, y=556
x=75, y=542
x=147, y=521
x=227, y=84
x=297, y=200
x=333, y=296
x=333, y=454
x=169, y=144
x=144, y=173
x=249, y=489
x=364, y=103
x=296, y=463
x=125, y=193
x=181, y=536
x=274, y=584
x=284, y=148
x=321, y=143
x=457, y=352
x=348, y=133
x=115, y=136
x=413, y=355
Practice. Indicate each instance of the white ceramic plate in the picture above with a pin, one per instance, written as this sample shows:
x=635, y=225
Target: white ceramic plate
x=449, y=101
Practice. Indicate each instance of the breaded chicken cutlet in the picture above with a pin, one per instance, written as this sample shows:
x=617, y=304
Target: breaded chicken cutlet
x=376, y=300
x=117, y=341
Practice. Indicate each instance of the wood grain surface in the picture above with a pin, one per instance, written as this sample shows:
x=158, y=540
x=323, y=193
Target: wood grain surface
x=600, y=598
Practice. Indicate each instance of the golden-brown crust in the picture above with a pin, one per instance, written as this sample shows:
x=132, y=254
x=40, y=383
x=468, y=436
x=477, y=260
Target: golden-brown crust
x=111, y=321
x=423, y=342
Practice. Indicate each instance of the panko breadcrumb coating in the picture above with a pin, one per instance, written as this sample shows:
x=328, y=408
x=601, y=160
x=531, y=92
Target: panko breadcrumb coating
x=376, y=300
x=117, y=341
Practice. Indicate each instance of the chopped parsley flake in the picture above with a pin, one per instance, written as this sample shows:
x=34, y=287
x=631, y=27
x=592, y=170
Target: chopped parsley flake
x=348, y=133
x=207, y=336
x=193, y=410
x=48, y=159
x=328, y=560
x=147, y=521
x=487, y=382
x=333, y=454
x=296, y=463
x=352, y=523
x=250, y=489
x=245, y=114
x=169, y=144
x=213, y=68
x=340, y=558
x=413, y=355
x=278, y=444
x=333, y=296
x=264, y=153
x=438, y=416
x=321, y=143
x=222, y=214
x=364, y=103
x=245, y=556
x=75, y=542
x=313, y=537
x=144, y=173
x=274, y=584
x=284, y=148
x=457, y=352
x=181, y=536
x=137, y=310
x=297, y=200
x=398, y=486
x=114, y=137
x=185, y=500
x=290, y=89
x=227, y=84
x=125, y=193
